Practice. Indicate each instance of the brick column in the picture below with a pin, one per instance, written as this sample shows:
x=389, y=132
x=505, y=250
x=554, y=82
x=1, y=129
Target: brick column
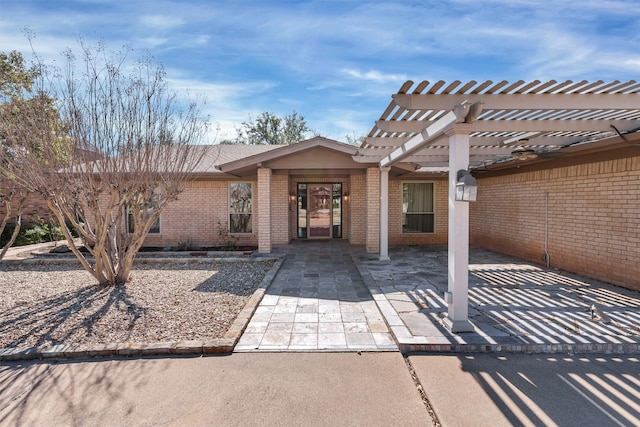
x=384, y=213
x=264, y=210
x=372, y=192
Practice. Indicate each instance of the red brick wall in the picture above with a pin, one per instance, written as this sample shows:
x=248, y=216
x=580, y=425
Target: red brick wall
x=594, y=218
x=34, y=206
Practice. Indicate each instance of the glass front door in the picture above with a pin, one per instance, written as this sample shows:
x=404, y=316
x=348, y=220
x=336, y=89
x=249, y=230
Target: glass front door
x=319, y=211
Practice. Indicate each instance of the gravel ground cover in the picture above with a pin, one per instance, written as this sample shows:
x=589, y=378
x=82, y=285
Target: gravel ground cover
x=44, y=305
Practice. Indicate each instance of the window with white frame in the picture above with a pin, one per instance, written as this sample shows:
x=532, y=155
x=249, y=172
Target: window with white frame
x=418, y=213
x=240, y=208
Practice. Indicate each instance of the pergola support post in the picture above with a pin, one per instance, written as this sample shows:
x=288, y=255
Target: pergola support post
x=458, y=281
x=384, y=213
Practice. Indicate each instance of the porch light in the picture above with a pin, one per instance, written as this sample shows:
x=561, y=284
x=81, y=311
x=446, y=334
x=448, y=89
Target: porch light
x=292, y=196
x=466, y=187
x=345, y=196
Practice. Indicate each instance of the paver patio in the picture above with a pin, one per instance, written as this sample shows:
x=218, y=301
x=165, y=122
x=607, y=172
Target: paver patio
x=514, y=305
x=317, y=301
x=332, y=296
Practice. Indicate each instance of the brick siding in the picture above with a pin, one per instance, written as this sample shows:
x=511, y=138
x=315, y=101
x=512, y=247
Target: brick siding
x=280, y=209
x=357, y=210
x=594, y=219
x=372, y=194
x=199, y=216
x=264, y=210
x=396, y=237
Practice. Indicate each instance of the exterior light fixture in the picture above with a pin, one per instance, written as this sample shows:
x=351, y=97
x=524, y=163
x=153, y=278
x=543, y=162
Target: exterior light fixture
x=524, y=154
x=466, y=187
x=345, y=196
x=292, y=196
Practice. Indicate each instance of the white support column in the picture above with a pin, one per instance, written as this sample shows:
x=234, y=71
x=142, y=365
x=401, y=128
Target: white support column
x=457, y=295
x=384, y=213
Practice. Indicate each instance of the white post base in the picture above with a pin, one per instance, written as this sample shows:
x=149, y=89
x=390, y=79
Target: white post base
x=456, y=326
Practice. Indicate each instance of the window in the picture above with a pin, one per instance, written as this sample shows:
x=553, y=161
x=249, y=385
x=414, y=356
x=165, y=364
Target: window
x=336, y=219
x=155, y=227
x=417, y=207
x=240, y=208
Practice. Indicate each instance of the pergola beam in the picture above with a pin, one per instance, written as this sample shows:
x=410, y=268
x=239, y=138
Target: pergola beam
x=515, y=101
x=440, y=150
x=430, y=134
x=542, y=125
x=390, y=141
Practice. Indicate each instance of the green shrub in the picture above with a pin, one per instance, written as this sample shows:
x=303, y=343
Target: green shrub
x=38, y=231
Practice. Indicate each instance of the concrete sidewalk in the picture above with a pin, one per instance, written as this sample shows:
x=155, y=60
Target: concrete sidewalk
x=324, y=389
x=520, y=389
x=245, y=389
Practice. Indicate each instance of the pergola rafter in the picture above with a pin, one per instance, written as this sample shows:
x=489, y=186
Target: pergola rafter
x=454, y=127
x=549, y=114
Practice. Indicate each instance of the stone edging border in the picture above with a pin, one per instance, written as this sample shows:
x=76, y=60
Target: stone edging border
x=594, y=348
x=142, y=260
x=218, y=346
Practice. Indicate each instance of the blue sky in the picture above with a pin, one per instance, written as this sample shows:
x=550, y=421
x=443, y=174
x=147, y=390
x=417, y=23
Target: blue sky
x=338, y=61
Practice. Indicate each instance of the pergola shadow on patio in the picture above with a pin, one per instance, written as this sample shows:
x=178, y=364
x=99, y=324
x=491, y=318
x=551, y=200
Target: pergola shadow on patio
x=514, y=306
x=332, y=296
x=458, y=128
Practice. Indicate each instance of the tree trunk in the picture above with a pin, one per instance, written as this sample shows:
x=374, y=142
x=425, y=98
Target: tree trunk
x=13, y=237
x=16, y=230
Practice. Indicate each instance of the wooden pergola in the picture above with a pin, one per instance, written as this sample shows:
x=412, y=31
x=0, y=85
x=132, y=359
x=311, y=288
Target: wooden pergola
x=453, y=127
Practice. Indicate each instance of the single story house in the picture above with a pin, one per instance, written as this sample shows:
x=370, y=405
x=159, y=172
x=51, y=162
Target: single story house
x=557, y=168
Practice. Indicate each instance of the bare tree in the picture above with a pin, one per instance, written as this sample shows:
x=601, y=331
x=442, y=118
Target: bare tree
x=134, y=149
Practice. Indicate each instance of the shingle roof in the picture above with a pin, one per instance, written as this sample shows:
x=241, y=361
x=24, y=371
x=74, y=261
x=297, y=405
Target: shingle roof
x=222, y=153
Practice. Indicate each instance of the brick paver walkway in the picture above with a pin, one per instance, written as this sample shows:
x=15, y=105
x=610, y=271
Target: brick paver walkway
x=317, y=301
x=332, y=296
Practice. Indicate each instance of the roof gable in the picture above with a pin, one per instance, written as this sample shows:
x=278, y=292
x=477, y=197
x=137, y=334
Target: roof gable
x=317, y=152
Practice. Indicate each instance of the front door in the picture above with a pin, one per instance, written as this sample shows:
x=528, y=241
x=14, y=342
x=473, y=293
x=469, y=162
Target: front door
x=320, y=211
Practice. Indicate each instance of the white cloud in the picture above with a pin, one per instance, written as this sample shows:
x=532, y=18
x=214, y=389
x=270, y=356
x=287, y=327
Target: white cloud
x=161, y=22
x=249, y=57
x=374, y=76
x=151, y=42
x=226, y=102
